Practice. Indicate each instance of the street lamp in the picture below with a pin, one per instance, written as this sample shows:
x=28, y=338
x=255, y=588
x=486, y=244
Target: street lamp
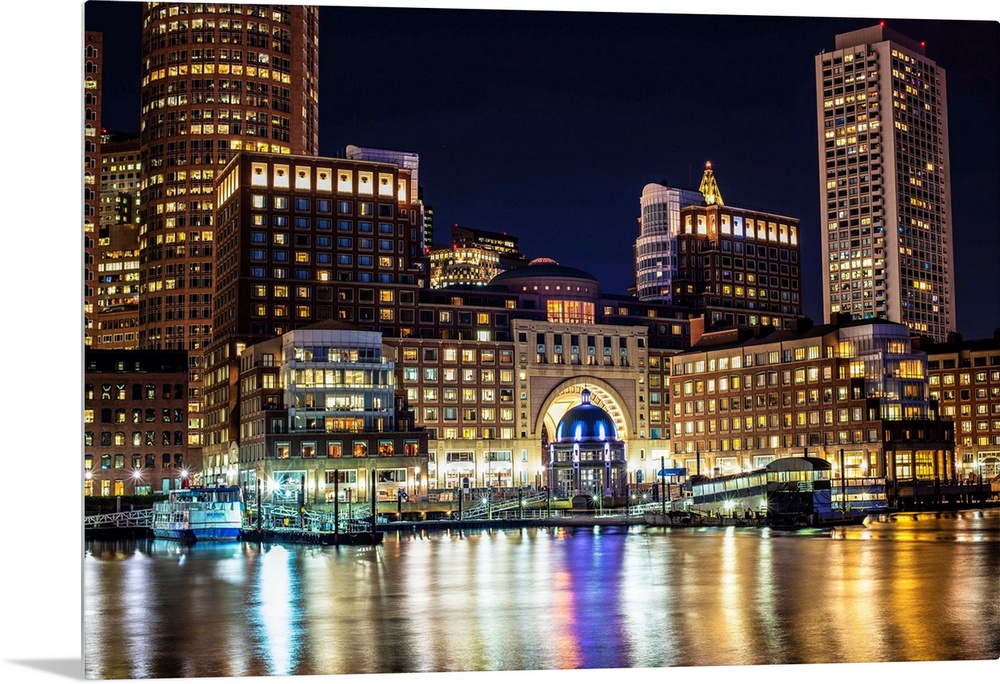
x=136, y=479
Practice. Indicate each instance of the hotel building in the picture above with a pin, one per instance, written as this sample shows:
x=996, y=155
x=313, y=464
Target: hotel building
x=488, y=371
x=298, y=238
x=882, y=119
x=739, y=267
x=854, y=390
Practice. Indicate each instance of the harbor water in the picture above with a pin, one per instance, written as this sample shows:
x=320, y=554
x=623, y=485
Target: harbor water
x=910, y=587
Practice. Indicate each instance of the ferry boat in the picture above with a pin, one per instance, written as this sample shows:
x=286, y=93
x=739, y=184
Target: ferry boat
x=793, y=490
x=199, y=514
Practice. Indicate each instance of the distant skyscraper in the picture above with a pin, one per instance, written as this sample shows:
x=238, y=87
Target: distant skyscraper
x=659, y=224
x=884, y=173
x=116, y=315
x=474, y=257
x=92, y=61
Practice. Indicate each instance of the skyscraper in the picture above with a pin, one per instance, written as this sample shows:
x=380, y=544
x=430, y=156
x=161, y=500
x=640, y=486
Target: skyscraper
x=217, y=79
x=116, y=314
x=882, y=117
x=659, y=225
x=92, y=62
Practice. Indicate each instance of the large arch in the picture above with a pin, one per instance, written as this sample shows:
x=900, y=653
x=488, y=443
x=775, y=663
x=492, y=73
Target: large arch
x=566, y=394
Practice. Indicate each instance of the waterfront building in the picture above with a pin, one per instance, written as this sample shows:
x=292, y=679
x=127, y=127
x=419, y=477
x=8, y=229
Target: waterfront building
x=471, y=368
x=116, y=315
x=851, y=392
x=655, y=248
x=296, y=237
x=319, y=410
x=135, y=422
x=884, y=175
x=93, y=60
x=217, y=79
x=964, y=378
x=586, y=458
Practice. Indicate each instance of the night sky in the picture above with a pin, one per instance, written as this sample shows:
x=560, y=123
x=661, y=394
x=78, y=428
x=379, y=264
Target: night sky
x=547, y=125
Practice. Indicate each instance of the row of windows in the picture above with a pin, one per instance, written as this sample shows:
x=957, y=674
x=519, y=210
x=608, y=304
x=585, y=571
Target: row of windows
x=771, y=421
x=148, y=415
x=359, y=449
x=137, y=461
x=138, y=438
x=140, y=392
x=964, y=378
x=749, y=360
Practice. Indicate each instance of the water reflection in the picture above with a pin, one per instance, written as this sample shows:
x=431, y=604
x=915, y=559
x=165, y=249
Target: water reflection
x=914, y=587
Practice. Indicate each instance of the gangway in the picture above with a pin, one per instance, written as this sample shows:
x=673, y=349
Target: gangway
x=502, y=508
x=142, y=518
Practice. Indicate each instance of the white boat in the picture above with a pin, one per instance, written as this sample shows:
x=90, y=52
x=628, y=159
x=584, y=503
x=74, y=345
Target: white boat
x=199, y=514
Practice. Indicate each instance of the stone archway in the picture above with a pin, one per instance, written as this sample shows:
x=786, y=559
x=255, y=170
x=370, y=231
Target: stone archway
x=566, y=394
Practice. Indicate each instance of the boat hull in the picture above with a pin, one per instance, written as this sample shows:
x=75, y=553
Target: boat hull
x=204, y=534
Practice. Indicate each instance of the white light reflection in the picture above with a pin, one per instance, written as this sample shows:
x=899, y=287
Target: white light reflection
x=274, y=615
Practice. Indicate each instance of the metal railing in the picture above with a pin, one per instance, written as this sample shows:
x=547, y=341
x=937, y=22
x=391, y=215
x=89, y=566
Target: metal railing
x=143, y=518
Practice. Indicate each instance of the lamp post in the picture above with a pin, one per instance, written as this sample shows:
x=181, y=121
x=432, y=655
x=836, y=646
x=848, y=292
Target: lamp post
x=663, y=479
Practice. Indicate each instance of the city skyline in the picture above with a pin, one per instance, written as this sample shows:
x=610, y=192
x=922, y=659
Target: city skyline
x=488, y=93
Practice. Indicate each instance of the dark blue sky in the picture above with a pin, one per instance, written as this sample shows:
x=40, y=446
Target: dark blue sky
x=547, y=125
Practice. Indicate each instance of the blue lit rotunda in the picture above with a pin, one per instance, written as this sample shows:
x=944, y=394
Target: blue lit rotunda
x=586, y=457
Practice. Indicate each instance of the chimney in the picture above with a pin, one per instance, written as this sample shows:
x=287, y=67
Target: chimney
x=697, y=329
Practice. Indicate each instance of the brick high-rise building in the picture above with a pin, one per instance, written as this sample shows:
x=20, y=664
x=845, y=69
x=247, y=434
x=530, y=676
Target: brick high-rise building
x=217, y=79
x=737, y=266
x=882, y=118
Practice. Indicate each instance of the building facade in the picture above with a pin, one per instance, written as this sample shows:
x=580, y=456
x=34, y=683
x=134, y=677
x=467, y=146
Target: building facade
x=655, y=248
x=474, y=257
x=135, y=422
x=217, y=79
x=738, y=266
x=884, y=174
x=116, y=316
x=852, y=392
x=964, y=378
x=319, y=409
x=302, y=240
x=93, y=59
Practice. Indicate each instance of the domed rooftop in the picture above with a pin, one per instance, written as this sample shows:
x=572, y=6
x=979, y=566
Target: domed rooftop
x=586, y=423
x=543, y=267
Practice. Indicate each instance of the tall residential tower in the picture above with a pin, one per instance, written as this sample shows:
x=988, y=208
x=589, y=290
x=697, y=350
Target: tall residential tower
x=217, y=79
x=882, y=116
